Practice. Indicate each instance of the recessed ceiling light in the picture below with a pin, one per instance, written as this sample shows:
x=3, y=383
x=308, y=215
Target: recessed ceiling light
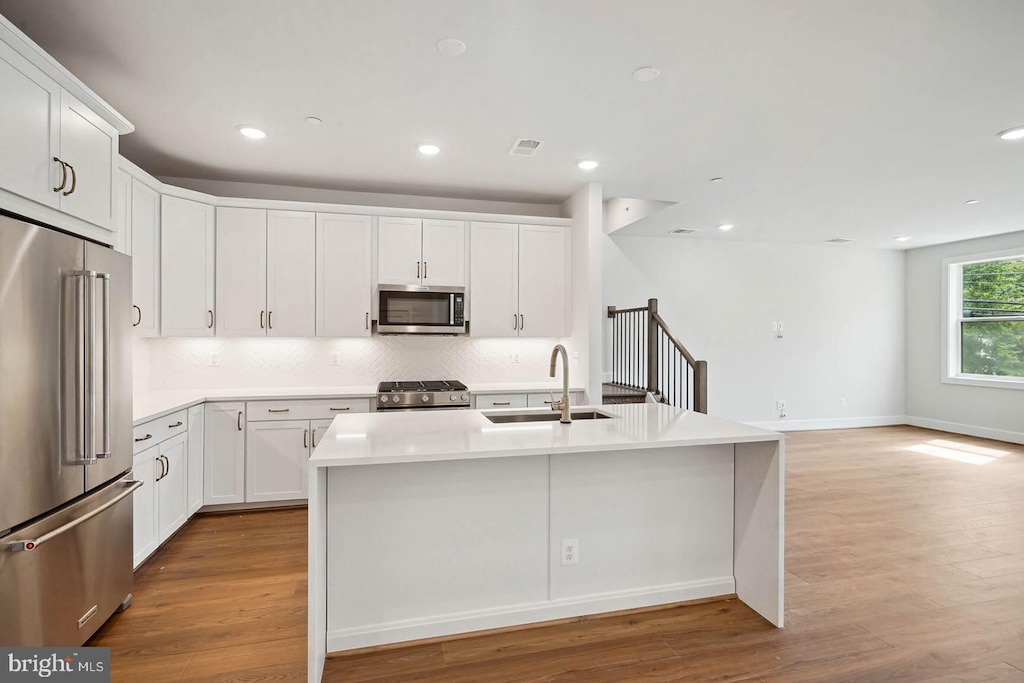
x=726, y=227
x=313, y=120
x=587, y=164
x=971, y=201
x=429, y=149
x=902, y=238
x=451, y=47
x=646, y=74
x=1013, y=133
x=251, y=132
x=718, y=180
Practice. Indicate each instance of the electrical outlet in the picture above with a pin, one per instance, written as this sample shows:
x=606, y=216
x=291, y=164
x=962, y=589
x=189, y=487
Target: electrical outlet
x=780, y=405
x=775, y=326
x=570, y=551
x=515, y=357
x=214, y=360
x=778, y=332
x=842, y=403
x=335, y=358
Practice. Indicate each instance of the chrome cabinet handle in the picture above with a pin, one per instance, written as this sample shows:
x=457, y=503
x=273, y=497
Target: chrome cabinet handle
x=74, y=179
x=63, y=175
x=338, y=410
x=176, y=424
x=261, y=319
x=139, y=321
x=314, y=438
x=239, y=420
x=522, y=322
x=501, y=403
x=305, y=438
x=163, y=472
x=417, y=269
x=210, y=326
x=278, y=410
x=367, y=320
x=270, y=320
x=424, y=270
x=33, y=543
x=147, y=437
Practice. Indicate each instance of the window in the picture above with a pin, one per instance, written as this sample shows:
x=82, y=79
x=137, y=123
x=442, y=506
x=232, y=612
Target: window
x=986, y=320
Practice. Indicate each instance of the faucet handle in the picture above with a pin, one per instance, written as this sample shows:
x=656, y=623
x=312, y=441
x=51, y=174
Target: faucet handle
x=555, y=405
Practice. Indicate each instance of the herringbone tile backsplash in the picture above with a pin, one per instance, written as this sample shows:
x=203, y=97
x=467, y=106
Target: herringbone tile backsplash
x=179, y=363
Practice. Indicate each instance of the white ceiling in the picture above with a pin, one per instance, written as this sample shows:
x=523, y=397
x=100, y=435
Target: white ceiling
x=850, y=118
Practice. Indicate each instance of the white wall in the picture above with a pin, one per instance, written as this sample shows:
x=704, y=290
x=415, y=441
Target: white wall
x=842, y=310
x=984, y=411
x=183, y=363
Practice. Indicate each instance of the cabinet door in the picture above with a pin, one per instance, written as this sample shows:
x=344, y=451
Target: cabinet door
x=146, y=537
x=276, y=455
x=317, y=429
x=343, y=275
x=399, y=249
x=444, y=253
x=494, y=280
x=196, y=439
x=241, y=272
x=186, y=268
x=29, y=130
x=291, y=274
x=145, y=225
x=172, y=486
x=224, y=454
x=543, y=275
x=89, y=145
x=123, y=213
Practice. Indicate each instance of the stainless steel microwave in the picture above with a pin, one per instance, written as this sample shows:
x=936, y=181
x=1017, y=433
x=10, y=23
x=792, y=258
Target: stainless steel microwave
x=412, y=309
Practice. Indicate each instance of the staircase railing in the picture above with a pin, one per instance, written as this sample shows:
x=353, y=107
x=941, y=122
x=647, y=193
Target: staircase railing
x=647, y=357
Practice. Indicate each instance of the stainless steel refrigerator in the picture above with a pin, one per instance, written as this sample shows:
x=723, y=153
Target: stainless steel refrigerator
x=65, y=435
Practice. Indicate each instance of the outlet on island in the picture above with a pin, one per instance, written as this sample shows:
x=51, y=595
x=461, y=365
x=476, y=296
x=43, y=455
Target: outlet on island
x=570, y=551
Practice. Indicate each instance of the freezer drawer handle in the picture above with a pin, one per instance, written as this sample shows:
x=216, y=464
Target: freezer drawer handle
x=33, y=543
x=147, y=437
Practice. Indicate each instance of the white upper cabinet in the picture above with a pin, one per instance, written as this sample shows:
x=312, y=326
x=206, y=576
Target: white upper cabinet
x=88, y=147
x=519, y=281
x=343, y=275
x=291, y=274
x=241, y=272
x=123, y=212
x=444, y=253
x=186, y=268
x=399, y=251
x=144, y=214
x=29, y=130
x=494, y=280
x=543, y=280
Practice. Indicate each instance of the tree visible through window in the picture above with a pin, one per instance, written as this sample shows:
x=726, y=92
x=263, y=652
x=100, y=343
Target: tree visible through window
x=992, y=318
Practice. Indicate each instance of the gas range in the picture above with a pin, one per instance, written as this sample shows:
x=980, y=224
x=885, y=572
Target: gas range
x=437, y=394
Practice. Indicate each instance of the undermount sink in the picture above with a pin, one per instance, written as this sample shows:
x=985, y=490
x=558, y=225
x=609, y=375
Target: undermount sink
x=506, y=418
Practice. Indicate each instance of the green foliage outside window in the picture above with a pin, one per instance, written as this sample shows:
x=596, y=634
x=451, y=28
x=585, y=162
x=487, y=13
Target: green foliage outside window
x=993, y=347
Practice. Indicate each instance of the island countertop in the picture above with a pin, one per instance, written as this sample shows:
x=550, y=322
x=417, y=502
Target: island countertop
x=435, y=435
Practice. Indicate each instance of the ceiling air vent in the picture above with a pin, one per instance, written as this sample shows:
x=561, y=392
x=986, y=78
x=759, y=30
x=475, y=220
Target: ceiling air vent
x=684, y=231
x=838, y=240
x=525, y=147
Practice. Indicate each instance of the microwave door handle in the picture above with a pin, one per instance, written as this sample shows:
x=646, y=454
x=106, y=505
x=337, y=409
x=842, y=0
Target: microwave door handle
x=104, y=279
x=451, y=309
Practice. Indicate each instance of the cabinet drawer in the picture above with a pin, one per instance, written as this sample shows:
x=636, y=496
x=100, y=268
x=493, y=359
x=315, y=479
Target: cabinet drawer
x=501, y=401
x=313, y=409
x=539, y=400
x=153, y=432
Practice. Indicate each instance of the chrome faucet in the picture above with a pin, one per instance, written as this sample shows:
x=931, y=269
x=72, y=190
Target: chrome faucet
x=562, y=405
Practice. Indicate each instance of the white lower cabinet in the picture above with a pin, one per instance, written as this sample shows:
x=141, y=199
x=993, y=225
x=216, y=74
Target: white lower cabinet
x=160, y=505
x=275, y=460
x=145, y=536
x=224, y=454
x=196, y=439
x=317, y=430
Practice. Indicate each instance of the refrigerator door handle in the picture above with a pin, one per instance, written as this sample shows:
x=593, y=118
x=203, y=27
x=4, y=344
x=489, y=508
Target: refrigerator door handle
x=85, y=374
x=33, y=543
x=104, y=279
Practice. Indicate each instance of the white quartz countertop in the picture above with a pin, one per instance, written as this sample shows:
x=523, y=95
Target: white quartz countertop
x=151, y=405
x=392, y=438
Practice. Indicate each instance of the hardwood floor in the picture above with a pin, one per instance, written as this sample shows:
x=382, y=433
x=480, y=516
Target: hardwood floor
x=904, y=557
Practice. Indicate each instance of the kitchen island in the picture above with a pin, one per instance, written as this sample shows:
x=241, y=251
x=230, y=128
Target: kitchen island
x=434, y=523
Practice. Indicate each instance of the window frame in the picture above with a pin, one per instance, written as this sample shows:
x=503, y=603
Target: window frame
x=952, y=317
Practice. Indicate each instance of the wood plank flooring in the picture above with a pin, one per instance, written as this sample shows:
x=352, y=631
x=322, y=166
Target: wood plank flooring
x=904, y=557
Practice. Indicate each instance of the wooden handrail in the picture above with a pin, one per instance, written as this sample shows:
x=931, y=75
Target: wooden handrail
x=612, y=311
x=678, y=344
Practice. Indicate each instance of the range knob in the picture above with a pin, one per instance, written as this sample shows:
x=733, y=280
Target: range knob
x=465, y=397
x=396, y=398
x=426, y=398
x=453, y=397
x=383, y=399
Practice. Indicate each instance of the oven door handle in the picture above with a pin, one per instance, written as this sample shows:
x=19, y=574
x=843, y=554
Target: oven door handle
x=33, y=543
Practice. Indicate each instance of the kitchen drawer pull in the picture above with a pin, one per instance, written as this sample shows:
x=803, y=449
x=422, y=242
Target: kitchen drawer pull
x=74, y=180
x=33, y=543
x=278, y=410
x=501, y=403
x=63, y=175
x=139, y=321
x=147, y=437
x=548, y=402
x=176, y=424
x=338, y=410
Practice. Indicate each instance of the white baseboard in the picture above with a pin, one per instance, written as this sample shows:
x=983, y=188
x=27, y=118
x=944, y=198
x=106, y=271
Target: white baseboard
x=528, y=613
x=830, y=423
x=968, y=430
